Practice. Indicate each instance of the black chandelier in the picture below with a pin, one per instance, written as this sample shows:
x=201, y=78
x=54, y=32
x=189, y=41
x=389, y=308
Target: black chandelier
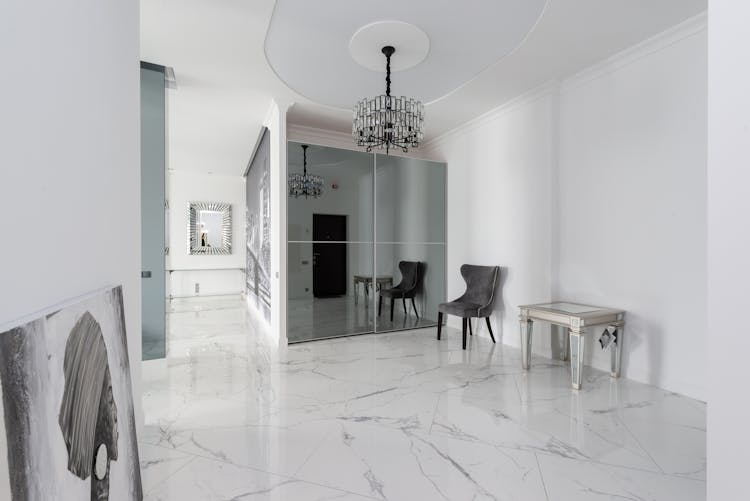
x=305, y=184
x=385, y=121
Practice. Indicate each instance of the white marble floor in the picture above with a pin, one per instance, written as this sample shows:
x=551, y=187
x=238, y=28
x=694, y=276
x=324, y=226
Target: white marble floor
x=401, y=416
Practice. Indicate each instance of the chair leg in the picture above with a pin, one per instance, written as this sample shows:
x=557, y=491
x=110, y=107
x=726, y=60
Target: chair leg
x=440, y=324
x=471, y=331
x=489, y=328
x=380, y=304
x=393, y=300
x=403, y=300
x=414, y=306
x=464, y=333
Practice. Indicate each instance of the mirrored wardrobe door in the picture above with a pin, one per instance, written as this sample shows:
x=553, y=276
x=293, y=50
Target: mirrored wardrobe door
x=330, y=242
x=410, y=240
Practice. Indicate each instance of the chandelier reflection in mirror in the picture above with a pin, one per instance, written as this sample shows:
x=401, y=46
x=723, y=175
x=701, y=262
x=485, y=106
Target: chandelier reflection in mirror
x=307, y=185
x=388, y=122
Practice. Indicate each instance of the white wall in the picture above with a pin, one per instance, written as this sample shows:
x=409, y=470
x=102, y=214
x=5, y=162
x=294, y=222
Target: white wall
x=213, y=273
x=69, y=151
x=728, y=246
x=593, y=191
x=499, y=208
x=631, y=207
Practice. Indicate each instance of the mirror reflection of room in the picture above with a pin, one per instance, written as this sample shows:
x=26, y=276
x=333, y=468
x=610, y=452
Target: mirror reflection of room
x=209, y=231
x=339, y=277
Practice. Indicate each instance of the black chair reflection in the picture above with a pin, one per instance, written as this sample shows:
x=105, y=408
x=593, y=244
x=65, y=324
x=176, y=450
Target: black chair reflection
x=406, y=289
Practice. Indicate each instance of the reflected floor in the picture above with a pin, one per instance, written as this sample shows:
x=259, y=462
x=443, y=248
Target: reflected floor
x=401, y=416
x=321, y=318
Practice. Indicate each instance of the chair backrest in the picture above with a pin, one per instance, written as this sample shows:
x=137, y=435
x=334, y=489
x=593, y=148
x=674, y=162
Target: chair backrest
x=480, y=283
x=409, y=275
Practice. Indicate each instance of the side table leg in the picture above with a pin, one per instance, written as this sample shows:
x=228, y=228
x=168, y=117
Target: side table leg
x=527, y=328
x=576, y=357
x=616, y=350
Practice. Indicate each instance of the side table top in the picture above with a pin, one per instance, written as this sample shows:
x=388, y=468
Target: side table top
x=369, y=277
x=568, y=308
x=571, y=314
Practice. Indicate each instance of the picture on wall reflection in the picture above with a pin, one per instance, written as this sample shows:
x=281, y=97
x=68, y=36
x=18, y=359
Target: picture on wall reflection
x=69, y=427
x=258, y=230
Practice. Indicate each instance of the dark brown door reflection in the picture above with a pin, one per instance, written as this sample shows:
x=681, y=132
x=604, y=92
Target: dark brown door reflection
x=329, y=259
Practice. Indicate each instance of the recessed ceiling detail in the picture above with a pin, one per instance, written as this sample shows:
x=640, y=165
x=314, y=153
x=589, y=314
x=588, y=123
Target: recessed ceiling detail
x=367, y=43
x=312, y=46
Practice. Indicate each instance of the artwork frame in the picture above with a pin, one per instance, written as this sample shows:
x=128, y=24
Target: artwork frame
x=67, y=428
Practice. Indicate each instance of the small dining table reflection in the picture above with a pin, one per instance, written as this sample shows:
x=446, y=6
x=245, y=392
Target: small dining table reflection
x=366, y=281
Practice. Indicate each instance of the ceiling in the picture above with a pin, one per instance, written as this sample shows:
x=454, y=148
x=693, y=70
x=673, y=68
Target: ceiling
x=312, y=61
x=220, y=51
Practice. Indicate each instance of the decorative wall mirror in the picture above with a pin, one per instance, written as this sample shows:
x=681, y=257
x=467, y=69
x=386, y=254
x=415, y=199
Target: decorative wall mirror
x=209, y=228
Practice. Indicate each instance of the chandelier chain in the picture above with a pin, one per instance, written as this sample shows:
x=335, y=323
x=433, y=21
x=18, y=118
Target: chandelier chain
x=388, y=75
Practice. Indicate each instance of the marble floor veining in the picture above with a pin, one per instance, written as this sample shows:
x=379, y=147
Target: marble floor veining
x=401, y=416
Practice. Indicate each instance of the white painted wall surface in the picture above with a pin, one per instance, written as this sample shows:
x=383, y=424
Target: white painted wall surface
x=630, y=216
x=186, y=187
x=594, y=191
x=499, y=209
x=70, y=158
x=728, y=247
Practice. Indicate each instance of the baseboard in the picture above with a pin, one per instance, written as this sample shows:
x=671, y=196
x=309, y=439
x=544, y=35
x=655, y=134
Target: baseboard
x=216, y=294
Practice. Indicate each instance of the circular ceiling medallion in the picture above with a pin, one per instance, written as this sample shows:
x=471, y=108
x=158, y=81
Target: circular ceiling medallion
x=411, y=43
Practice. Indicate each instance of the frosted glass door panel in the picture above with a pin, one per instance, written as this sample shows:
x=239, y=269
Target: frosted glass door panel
x=153, y=220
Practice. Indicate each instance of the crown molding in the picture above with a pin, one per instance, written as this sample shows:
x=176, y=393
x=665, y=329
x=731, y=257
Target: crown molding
x=686, y=29
x=690, y=27
x=320, y=137
x=546, y=89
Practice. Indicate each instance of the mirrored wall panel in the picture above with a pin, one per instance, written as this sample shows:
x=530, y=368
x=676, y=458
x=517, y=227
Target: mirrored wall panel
x=410, y=238
x=417, y=272
x=326, y=295
x=410, y=200
x=330, y=237
x=366, y=236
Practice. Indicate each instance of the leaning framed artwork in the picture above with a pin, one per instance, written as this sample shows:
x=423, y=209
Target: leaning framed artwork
x=67, y=424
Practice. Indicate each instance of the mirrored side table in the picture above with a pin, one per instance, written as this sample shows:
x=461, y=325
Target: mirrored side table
x=381, y=281
x=574, y=317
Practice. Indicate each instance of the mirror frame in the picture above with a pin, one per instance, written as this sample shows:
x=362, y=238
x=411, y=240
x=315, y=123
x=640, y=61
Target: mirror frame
x=194, y=209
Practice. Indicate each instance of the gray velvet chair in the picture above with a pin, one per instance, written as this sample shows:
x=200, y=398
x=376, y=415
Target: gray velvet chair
x=411, y=272
x=476, y=302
